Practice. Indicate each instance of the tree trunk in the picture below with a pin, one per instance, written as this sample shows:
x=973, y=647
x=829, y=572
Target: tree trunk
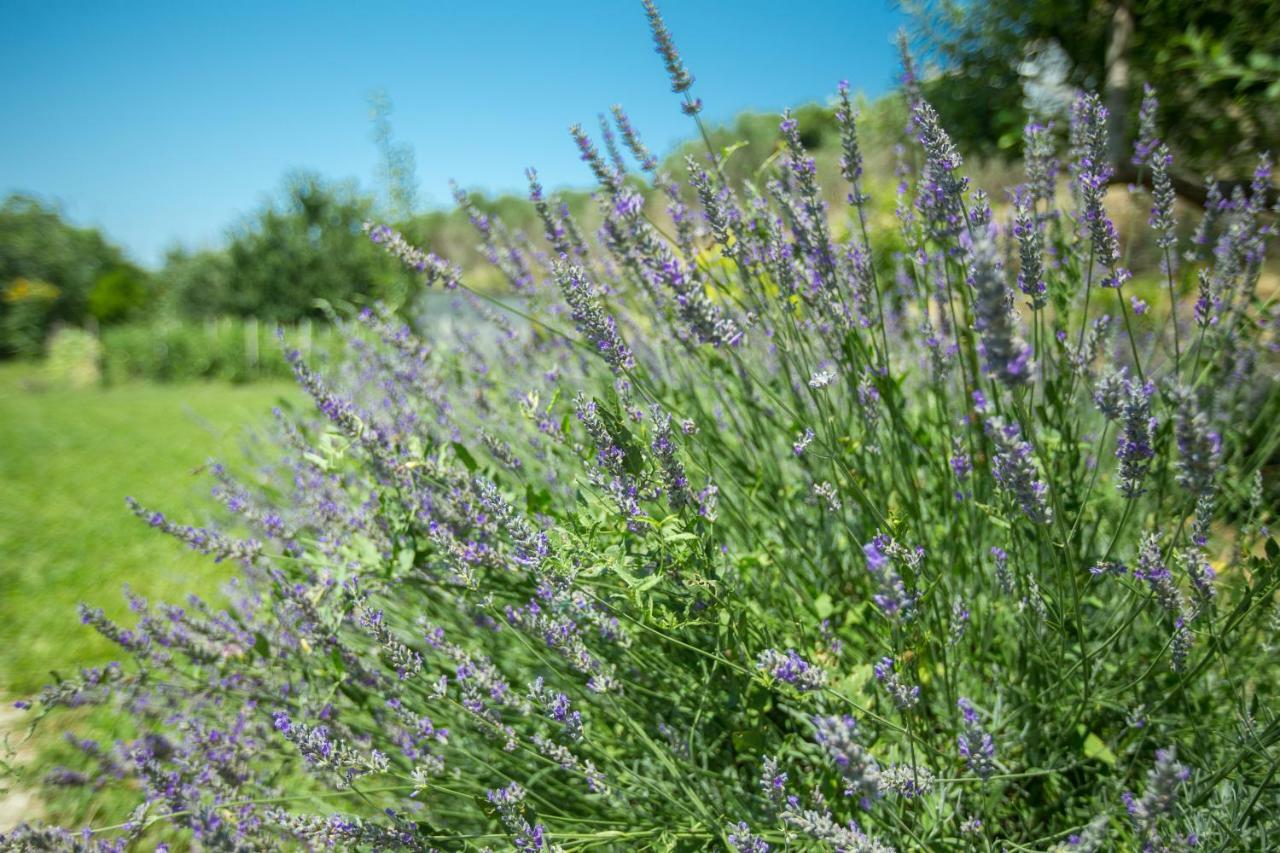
x=1118, y=82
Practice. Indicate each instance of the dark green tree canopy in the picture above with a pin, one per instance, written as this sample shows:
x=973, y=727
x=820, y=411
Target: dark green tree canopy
x=306, y=247
x=48, y=269
x=1214, y=63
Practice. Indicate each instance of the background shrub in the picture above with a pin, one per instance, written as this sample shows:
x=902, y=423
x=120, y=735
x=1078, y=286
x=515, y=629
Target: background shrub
x=227, y=348
x=74, y=359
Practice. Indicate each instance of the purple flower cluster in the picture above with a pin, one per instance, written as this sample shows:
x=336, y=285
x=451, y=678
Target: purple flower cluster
x=1160, y=798
x=435, y=269
x=891, y=594
x=1015, y=471
x=1004, y=354
x=324, y=753
x=792, y=669
x=1199, y=446
x=509, y=803
x=595, y=323
x=1027, y=230
x=1137, y=434
x=204, y=540
x=977, y=747
x=942, y=187
x=861, y=773
x=1091, y=172
x=904, y=695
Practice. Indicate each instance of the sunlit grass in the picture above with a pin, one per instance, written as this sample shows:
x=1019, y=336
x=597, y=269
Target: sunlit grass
x=67, y=460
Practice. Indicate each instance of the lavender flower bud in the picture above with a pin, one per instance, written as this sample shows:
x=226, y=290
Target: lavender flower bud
x=1202, y=519
x=681, y=79
x=204, y=540
x=608, y=177
x=1199, y=448
x=1005, y=355
x=631, y=139
x=941, y=191
x=1137, y=428
x=1163, y=197
x=788, y=666
x=961, y=463
x=861, y=773
x=1206, y=302
x=744, y=841
x=1200, y=573
x=674, y=480
x=1092, y=172
x=1109, y=393
x=904, y=695
x=802, y=443
x=773, y=782
x=322, y=752
x=434, y=268
x=407, y=662
x=1030, y=251
x=591, y=319
x=851, y=153
x=1091, y=840
x=1003, y=578
x=1015, y=471
x=822, y=826
x=345, y=832
x=509, y=803
x=1042, y=167
x=1147, y=141
x=891, y=596
x=1214, y=205
x=959, y=620
x=1160, y=798
x=611, y=145
x=976, y=746
x=1151, y=568
x=910, y=81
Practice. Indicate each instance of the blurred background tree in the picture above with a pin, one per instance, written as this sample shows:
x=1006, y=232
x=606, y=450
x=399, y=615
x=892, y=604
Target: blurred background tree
x=121, y=293
x=195, y=283
x=1214, y=63
x=48, y=269
x=305, y=247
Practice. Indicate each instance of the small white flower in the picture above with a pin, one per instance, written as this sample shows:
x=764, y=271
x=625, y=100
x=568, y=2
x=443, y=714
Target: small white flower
x=827, y=492
x=821, y=379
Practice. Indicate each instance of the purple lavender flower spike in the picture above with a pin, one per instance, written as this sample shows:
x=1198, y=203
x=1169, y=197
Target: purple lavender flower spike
x=789, y=667
x=1005, y=355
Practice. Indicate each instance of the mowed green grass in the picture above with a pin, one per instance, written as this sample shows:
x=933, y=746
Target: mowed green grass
x=68, y=458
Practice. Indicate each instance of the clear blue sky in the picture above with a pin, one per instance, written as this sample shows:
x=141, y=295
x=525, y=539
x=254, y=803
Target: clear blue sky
x=165, y=121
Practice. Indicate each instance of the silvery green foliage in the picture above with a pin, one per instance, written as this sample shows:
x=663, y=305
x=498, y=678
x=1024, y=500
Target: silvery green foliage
x=922, y=567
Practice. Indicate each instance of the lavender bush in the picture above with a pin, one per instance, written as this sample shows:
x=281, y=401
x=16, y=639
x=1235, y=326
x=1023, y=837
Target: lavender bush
x=765, y=525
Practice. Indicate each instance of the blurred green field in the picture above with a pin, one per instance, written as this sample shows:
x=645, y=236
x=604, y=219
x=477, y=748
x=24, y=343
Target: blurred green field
x=68, y=458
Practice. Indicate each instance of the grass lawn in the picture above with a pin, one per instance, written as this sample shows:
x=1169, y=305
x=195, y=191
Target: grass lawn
x=68, y=458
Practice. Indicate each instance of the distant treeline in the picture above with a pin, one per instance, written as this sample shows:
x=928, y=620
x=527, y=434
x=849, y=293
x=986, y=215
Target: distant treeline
x=304, y=253
x=297, y=256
